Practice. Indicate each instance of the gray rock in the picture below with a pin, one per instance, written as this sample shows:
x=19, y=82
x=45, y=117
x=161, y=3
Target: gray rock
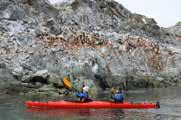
x=45, y=91
x=18, y=72
x=41, y=73
x=41, y=30
x=55, y=79
x=54, y=27
x=2, y=65
x=6, y=78
x=46, y=88
x=50, y=22
x=13, y=12
x=175, y=30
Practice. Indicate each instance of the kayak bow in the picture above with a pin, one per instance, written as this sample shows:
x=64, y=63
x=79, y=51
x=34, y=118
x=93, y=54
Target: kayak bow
x=94, y=104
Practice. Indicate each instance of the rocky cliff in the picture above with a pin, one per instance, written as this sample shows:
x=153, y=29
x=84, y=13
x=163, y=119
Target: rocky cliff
x=96, y=41
x=175, y=30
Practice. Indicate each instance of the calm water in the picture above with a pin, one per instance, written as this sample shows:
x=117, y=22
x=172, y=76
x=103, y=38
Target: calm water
x=12, y=108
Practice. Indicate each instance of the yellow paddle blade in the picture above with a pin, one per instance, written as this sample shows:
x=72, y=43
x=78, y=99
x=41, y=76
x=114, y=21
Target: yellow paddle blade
x=67, y=82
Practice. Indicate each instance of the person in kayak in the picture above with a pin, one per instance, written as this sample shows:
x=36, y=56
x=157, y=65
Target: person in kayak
x=84, y=95
x=117, y=95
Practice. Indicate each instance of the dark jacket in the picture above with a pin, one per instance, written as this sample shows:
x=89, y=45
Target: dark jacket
x=118, y=97
x=84, y=96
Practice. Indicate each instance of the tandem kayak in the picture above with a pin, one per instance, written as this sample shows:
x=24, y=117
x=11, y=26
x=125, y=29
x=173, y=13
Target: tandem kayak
x=93, y=104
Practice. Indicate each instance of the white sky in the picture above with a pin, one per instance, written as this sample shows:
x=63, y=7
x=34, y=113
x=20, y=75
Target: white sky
x=165, y=12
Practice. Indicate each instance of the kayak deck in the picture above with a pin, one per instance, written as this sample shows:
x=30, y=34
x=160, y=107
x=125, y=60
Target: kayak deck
x=92, y=104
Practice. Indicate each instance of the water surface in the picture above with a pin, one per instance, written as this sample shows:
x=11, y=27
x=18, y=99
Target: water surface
x=12, y=108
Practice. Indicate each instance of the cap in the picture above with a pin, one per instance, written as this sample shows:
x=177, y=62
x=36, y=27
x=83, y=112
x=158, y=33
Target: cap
x=86, y=89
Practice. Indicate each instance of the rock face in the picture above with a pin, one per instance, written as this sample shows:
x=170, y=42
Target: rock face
x=175, y=30
x=101, y=15
x=97, y=41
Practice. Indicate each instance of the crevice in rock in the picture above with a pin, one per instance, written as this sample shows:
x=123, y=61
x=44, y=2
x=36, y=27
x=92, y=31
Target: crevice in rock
x=38, y=79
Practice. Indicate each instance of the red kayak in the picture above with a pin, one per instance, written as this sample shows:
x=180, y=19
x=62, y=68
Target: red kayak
x=93, y=104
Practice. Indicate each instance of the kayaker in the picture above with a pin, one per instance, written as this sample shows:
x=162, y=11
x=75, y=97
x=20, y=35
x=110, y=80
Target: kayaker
x=117, y=95
x=84, y=95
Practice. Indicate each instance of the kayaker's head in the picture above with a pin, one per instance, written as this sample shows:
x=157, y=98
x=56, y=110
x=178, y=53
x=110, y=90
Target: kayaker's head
x=86, y=89
x=117, y=91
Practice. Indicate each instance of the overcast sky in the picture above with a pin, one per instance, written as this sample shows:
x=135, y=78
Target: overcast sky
x=165, y=12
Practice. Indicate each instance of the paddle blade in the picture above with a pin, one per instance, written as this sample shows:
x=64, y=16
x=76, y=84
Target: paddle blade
x=67, y=83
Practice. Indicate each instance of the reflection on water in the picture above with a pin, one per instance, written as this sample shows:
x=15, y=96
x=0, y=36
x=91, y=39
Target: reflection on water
x=12, y=108
x=98, y=114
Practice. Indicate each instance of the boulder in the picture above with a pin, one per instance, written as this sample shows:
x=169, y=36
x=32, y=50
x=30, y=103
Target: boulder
x=55, y=79
x=42, y=73
x=40, y=76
